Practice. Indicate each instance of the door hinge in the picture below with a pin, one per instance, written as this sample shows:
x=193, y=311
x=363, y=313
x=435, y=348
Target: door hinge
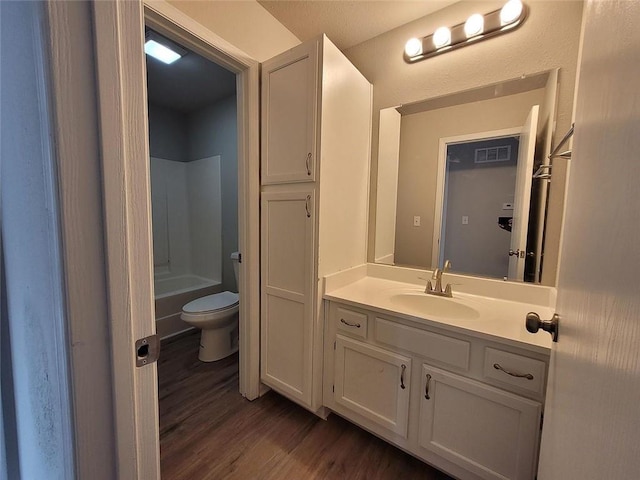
x=541, y=420
x=333, y=388
x=239, y=258
x=147, y=350
x=334, y=344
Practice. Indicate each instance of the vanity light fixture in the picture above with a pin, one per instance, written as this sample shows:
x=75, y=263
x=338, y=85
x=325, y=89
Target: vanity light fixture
x=162, y=49
x=476, y=28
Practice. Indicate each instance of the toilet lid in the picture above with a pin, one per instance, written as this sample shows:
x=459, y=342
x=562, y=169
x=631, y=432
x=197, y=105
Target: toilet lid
x=217, y=301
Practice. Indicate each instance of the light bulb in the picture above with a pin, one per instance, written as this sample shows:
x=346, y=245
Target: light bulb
x=413, y=47
x=441, y=37
x=474, y=25
x=510, y=12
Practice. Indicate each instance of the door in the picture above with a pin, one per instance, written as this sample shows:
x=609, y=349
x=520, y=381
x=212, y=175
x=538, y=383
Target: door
x=522, y=196
x=488, y=431
x=592, y=421
x=373, y=382
x=290, y=89
x=287, y=281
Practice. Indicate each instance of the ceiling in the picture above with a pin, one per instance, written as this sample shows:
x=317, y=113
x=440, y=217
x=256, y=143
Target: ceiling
x=348, y=23
x=188, y=84
x=193, y=81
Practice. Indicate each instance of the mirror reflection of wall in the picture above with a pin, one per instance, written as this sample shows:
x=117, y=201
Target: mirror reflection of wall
x=547, y=41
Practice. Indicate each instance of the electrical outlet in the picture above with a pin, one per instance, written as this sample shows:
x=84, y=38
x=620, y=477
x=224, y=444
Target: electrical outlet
x=465, y=220
x=416, y=221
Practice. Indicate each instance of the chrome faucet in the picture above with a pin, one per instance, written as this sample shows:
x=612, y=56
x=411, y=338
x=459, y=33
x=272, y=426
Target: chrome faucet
x=437, y=277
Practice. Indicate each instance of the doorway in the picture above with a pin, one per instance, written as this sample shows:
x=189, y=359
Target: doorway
x=119, y=31
x=477, y=208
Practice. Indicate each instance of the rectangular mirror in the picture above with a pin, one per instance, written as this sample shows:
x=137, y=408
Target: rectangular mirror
x=455, y=180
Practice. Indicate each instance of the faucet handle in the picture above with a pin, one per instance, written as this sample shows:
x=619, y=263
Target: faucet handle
x=447, y=265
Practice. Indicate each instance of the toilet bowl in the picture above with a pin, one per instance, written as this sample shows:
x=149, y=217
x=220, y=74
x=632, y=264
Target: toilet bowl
x=217, y=316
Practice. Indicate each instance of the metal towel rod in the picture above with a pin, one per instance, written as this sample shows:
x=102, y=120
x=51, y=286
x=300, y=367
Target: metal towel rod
x=544, y=171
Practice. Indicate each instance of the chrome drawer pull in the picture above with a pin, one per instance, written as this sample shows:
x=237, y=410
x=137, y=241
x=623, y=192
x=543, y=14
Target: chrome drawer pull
x=404, y=367
x=528, y=376
x=357, y=325
x=426, y=388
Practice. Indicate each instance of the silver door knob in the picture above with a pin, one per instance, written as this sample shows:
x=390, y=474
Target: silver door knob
x=534, y=324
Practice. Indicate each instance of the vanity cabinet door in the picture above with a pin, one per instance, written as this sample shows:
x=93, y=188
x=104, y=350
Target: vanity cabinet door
x=490, y=432
x=373, y=382
x=289, y=115
x=286, y=324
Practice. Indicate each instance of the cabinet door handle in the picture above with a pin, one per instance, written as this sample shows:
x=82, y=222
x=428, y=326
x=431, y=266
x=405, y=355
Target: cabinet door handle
x=307, y=207
x=357, y=325
x=426, y=387
x=528, y=376
x=308, y=163
x=403, y=367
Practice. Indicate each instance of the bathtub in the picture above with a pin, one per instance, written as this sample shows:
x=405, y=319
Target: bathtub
x=172, y=293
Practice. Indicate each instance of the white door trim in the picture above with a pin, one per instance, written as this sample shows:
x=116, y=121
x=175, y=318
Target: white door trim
x=127, y=213
x=170, y=21
x=441, y=172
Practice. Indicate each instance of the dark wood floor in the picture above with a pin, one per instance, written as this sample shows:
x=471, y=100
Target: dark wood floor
x=208, y=431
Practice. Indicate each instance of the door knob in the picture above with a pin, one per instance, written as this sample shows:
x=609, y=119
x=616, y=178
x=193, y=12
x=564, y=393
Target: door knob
x=534, y=323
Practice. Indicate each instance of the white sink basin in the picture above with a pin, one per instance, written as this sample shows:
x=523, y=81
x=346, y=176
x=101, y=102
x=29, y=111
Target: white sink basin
x=427, y=305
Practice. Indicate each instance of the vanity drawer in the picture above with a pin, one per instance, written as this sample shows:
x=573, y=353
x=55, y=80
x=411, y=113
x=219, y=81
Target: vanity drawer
x=433, y=346
x=510, y=369
x=351, y=322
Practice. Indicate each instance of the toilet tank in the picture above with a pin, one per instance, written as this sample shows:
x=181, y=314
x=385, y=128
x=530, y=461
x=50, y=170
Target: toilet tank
x=235, y=257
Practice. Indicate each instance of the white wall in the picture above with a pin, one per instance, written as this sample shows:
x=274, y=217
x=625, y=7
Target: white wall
x=205, y=217
x=387, y=199
x=170, y=217
x=213, y=131
x=35, y=298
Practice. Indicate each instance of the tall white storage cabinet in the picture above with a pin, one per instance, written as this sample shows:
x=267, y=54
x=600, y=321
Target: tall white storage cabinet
x=316, y=133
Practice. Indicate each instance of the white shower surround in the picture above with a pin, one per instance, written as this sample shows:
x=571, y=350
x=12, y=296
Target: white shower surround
x=187, y=224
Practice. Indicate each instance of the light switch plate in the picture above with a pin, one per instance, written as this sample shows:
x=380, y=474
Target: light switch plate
x=465, y=220
x=416, y=221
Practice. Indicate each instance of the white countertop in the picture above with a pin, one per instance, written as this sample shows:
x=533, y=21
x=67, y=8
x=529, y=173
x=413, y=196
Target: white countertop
x=497, y=319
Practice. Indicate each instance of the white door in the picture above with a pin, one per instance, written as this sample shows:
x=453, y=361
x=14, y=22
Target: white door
x=289, y=112
x=286, y=288
x=522, y=196
x=373, y=382
x=592, y=418
x=488, y=431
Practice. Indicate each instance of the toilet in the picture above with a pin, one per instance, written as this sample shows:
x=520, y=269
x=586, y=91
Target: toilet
x=217, y=316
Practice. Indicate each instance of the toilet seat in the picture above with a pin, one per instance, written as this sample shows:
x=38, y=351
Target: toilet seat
x=211, y=307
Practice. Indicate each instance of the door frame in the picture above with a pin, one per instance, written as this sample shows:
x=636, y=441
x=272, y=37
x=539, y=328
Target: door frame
x=122, y=104
x=441, y=176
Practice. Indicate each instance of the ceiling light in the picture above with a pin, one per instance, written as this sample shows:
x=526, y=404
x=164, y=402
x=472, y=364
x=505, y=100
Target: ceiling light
x=510, y=12
x=162, y=48
x=413, y=47
x=441, y=37
x=474, y=25
x=162, y=53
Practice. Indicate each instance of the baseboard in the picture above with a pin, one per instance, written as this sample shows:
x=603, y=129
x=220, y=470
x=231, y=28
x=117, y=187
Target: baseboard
x=171, y=325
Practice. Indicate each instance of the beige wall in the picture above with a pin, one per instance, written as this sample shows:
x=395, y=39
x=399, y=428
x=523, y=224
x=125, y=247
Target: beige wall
x=420, y=135
x=244, y=24
x=548, y=39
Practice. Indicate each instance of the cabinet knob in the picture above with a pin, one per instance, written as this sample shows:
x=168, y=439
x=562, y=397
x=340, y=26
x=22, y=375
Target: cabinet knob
x=533, y=324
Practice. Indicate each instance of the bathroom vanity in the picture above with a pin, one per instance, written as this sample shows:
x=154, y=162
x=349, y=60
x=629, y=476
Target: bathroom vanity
x=457, y=382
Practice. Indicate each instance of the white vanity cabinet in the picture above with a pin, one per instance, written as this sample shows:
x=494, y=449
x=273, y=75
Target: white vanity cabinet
x=458, y=411
x=316, y=129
